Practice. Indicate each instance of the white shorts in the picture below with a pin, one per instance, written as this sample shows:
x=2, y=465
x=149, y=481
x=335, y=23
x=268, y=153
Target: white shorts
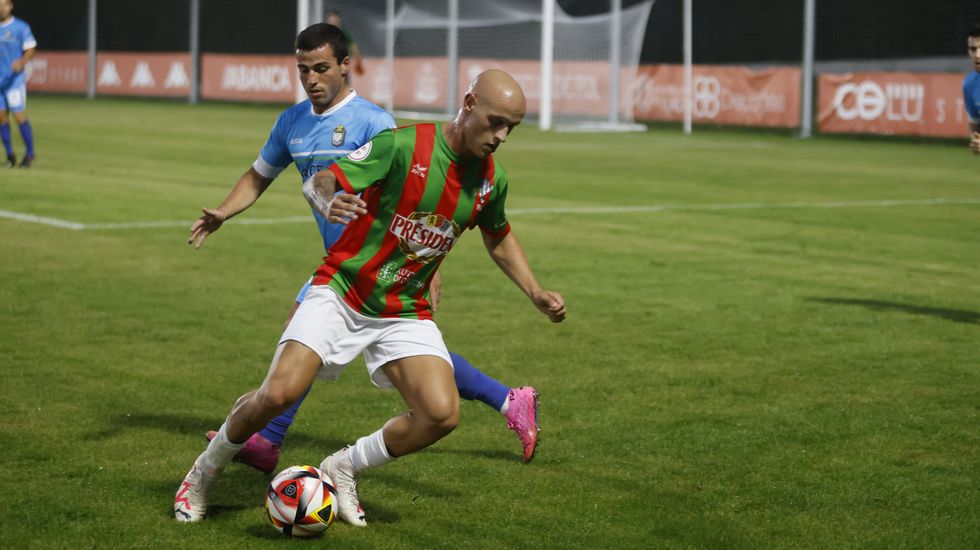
x=337, y=333
x=14, y=99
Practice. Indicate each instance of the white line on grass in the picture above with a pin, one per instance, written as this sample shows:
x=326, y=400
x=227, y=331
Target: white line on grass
x=64, y=224
x=30, y=218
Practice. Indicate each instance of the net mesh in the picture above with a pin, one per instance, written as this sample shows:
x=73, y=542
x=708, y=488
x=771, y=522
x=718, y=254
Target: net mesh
x=503, y=34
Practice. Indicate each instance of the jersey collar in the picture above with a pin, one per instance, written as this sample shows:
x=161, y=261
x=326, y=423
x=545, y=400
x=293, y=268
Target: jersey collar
x=350, y=97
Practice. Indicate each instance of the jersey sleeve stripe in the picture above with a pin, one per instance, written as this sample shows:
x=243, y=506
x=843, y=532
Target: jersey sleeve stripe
x=28, y=44
x=498, y=234
x=265, y=169
x=341, y=178
x=342, y=152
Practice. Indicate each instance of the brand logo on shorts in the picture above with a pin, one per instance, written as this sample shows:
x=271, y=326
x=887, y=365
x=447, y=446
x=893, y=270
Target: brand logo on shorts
x=424, y=236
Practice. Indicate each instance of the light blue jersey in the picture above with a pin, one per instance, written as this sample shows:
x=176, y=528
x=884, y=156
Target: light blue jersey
x=15, y=39
x=971, y=96
x=314, y=142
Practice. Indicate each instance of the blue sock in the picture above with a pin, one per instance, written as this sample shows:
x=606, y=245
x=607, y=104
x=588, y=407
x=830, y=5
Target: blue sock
x=275, y=430
x=27, y=134
x=5, y=135
x=473, y=384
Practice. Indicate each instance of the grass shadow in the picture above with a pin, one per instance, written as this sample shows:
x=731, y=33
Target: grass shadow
x=481, y=453
x=184, y=424
x=955, y=315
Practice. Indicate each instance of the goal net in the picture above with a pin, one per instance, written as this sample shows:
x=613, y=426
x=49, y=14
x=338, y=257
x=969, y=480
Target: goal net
x=420, y=55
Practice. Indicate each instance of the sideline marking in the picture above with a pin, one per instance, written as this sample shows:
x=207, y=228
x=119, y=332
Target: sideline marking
x=77, y=226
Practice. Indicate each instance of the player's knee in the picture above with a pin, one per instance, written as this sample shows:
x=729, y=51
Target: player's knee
x=277, y=398
x=444, y=417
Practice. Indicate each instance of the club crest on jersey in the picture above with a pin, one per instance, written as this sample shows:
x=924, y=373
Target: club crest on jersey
x=483, y=194
x=361, y=153
x=424, y=236
x=337, y=139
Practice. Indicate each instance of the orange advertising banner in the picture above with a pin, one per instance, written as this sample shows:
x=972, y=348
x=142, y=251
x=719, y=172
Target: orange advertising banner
x=272, y=78
x=58, y=72
x=579, y=88
x=911, y=104
x=143, y=74
x=721, y=95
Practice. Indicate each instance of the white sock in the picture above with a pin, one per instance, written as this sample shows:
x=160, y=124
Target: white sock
x=369, y=452
x=503, y=408
x=220, y=451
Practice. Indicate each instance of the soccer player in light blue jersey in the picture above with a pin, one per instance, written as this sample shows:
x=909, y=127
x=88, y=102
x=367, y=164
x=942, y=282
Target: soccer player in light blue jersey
x=971, y=89
x=17, y=47
x=312, y=134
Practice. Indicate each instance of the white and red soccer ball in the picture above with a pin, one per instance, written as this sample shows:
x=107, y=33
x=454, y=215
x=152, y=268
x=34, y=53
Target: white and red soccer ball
x=301, y=501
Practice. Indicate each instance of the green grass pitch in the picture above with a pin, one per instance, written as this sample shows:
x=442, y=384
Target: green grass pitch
x=771, y=342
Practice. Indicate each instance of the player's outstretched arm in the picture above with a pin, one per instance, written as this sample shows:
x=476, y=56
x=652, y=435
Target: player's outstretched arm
x=975, y=138
x=509, y=256
x=246, y=191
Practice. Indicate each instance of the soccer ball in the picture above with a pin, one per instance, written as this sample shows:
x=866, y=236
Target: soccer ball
x=300, y=501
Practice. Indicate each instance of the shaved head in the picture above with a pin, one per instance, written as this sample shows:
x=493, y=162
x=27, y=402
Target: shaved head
x=494, y=105
x=496, y=86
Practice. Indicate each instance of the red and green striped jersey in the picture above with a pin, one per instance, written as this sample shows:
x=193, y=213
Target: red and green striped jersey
x=420, y=198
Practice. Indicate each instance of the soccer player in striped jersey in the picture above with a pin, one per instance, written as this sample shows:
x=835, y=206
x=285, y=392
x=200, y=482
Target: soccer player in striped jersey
x=334, y=114
x=312, y=135
x=17, y=47
x=971, y=89
x=422, y=186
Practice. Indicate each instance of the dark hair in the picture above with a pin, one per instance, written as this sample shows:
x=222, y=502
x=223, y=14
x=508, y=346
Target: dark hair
x=975, y=33
x=316, y=35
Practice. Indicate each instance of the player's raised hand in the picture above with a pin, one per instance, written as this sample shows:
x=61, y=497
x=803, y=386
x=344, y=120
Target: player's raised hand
x=975, y=143
x=551, y=304
x=205, y=225
x=345, y=208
